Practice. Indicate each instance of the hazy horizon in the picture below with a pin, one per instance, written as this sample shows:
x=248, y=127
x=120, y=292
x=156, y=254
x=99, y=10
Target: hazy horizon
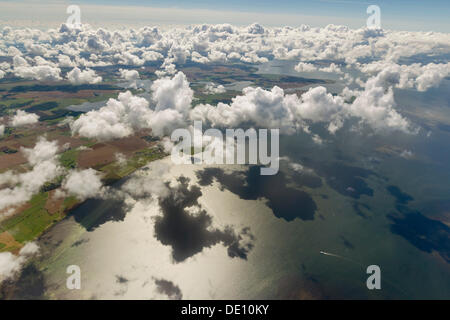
x=407, y=17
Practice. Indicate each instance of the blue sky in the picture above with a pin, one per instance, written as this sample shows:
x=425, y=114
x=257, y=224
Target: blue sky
x=402, y=9
x=417, y=15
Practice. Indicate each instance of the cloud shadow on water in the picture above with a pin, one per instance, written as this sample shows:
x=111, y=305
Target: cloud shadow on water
x=287, y=203
x=30, y=285
x=400, y=196
x=187, y=227
x=425, y=234
x=169, y=289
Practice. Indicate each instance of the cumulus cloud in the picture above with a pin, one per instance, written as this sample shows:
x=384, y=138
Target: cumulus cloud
x=152, y=56
x=168, y=68
x=172, y=93
x=219, y=43
x=20, y=187
x=42, y=70
x=83, y=184
x=41, y=73
x=262, y=108
x=309, y=67
x=13, y=51
x=319, y=106
x=19, y=61
x=149, y=183
x=121, y=159
x=127, y=58
x=375, y=106
x=43, y=151
x=76, y=76
x=5, y=66
x=197, y=57
x=275, y=109
x=120, y=118
x=255, y=28
x=129, y=75
x=305, y=67
x=332, y=68
x=65, y=61
x=23, y=118
x=212, y=88
x=172, y=98
x=34, y=49
x=223, y=42
x=252, y=57
x=117, y=119
x=432, y=76
x=171, y=108
x=217, y=56
x=132, y=76
x=2, y=130
x=381, y=54
x=11, y=264
x=421, y=77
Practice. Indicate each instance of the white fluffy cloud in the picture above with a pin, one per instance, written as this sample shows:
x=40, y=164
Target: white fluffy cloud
x=127, y=58
x=421, y=77
x=275, y=109
x=220, y=43
x=41, y=73
x=387, y=60
x=152, y=56
x=2, y=130
x=117, y=119
x=43, y=151
x=65, y=61
x=305, y=67
x=332, y=68
x=35, y=49
x=172, y=93
x=375, y=106
x=129, y=75
x=83, y=184
x=20, y=187
x=212, y=88
x=13, y=51
x=149, y=183
x=11, y=264
x=262, y=108
x=309, y=67
x=22, y=118
x=76, y=76
x=172, y=99
x=432, y=75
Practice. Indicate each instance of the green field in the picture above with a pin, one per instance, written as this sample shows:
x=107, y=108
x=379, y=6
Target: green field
x=114, y=171
x=32, y=221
